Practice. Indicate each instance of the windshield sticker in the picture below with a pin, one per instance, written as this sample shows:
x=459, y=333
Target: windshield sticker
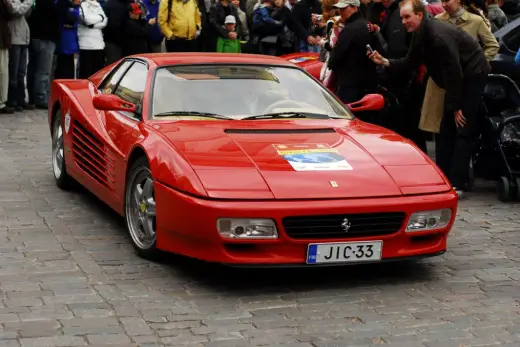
x=313, y=157
x=300, y=59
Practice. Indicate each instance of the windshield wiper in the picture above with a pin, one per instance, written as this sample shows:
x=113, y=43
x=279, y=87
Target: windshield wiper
x=192, y=113
x=289, y=115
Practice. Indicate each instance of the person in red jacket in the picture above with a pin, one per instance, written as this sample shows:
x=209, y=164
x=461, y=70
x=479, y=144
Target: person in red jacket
x=434, y=7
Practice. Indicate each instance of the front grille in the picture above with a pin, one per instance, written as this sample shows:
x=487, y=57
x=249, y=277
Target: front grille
x=330, y=226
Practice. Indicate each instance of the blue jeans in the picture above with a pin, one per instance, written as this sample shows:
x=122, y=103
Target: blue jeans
x=41, y=53
x=305, y=47
x=17, y=72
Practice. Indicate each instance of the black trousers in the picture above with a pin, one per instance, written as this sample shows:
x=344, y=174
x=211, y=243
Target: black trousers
x=455, y=145
x=64, y=66
x=113, y=53
x=181, y=45
x=90, y=62
x=404, y=119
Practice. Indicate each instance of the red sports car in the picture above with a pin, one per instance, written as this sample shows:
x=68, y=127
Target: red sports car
x=309, y=61
x=245, y=160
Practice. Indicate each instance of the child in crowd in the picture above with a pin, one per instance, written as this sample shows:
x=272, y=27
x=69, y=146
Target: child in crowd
x=262, y=16
x=227, y=45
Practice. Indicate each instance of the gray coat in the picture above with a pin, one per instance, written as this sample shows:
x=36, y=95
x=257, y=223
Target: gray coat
x=496, y=16
x=20, y=32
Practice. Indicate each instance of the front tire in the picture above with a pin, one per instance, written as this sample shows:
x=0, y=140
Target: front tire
x=59, y=167
x=140, y=209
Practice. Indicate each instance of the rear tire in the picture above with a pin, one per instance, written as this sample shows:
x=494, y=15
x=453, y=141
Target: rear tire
x=504, y=189
x=517, y=190
x=59, y=167
x=140, y=209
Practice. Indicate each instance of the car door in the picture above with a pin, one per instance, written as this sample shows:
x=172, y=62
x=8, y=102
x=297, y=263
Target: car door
x=123, y=127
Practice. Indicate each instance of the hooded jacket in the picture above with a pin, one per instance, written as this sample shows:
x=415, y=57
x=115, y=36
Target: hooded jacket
x=183, y=20
x=92, y=21
x=68, y=19
x=20, y=32
x=152, y=6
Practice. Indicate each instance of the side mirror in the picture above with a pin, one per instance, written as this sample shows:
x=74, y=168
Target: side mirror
x=111, y=102
x=370, y=102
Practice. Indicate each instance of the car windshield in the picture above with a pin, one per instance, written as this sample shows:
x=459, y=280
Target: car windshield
x=240, y=91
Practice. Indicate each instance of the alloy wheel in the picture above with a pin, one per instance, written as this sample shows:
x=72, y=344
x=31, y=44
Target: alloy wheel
x=57, y=149
x=140, y=208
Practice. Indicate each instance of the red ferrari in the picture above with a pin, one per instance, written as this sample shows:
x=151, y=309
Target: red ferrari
x=245, y=160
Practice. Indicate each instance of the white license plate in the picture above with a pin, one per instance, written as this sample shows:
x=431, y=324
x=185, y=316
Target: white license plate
x=344, y=252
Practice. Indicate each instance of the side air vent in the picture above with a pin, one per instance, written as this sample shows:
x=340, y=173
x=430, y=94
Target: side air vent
x=279, y=131
x=91, y=157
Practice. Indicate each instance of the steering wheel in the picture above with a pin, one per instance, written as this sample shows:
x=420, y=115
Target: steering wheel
x=281, y=103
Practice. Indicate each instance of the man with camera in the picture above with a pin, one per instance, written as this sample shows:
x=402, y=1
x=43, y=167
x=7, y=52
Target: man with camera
x=456, y=62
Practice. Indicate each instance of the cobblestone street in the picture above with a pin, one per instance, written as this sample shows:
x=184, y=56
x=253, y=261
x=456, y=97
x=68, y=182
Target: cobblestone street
x=69, y=277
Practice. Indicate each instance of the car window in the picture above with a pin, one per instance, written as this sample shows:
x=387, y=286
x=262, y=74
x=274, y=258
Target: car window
x=110, y=83
x=238, y=91
x=132, y=85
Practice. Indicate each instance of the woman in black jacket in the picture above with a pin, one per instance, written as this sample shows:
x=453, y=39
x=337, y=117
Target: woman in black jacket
x=302, y=13
x=136, y=31
x=291, y=32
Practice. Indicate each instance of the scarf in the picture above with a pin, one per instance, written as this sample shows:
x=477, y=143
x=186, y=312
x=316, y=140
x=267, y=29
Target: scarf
x=456, y=15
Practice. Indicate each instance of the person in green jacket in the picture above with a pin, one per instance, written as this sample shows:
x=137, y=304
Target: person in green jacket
x=227, y=45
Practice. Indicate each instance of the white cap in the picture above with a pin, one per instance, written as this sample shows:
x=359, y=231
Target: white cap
x=345, y=3
x=230, y=20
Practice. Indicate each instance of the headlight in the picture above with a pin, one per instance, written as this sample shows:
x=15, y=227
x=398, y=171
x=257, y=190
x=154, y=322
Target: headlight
x=429, y=220
x=235, y=228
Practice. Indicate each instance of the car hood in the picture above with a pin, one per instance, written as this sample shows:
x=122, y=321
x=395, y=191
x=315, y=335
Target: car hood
x=304, y=159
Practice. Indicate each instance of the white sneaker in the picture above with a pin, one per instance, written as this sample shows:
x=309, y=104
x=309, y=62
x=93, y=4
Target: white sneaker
x=459, y=192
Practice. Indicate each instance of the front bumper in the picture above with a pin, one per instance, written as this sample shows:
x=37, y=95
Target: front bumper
x=187, y=225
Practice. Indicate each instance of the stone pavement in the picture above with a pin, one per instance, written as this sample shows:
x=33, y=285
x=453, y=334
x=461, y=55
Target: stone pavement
x=69, y=277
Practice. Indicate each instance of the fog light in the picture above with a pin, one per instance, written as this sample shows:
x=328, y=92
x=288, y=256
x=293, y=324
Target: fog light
x=429, y=220
x=235, y=228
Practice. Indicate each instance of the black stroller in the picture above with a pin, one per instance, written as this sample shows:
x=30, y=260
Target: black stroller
x=497, y=156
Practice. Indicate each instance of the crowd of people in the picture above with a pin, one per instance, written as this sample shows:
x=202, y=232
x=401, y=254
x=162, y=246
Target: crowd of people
x=429, y=68
x=431, y=62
